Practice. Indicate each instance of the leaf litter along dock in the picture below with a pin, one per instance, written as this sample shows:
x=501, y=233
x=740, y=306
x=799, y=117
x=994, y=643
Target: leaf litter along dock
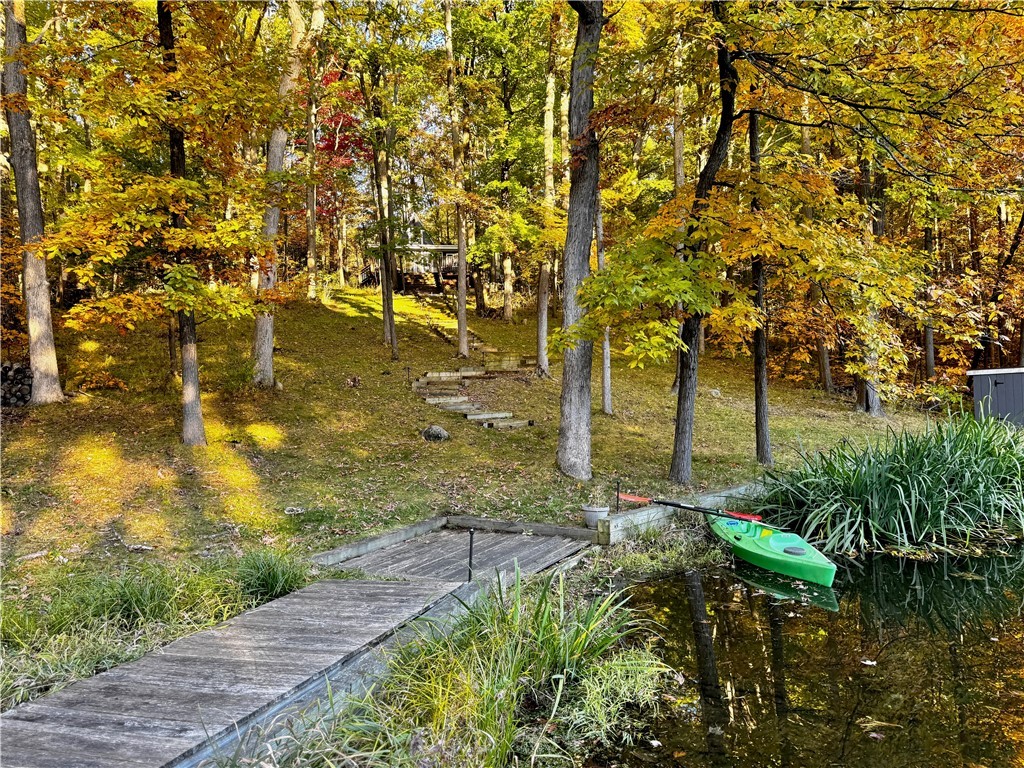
x=182, y=704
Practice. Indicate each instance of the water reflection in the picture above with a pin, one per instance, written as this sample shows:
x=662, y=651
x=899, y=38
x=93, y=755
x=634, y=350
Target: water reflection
x=920, y=665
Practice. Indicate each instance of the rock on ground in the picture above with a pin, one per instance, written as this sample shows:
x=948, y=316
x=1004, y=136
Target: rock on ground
x=434, y=434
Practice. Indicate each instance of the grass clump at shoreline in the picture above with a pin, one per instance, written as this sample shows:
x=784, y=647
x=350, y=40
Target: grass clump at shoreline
x=958, y=484
x=77, y=622
x=527, y=675
x=660, y=553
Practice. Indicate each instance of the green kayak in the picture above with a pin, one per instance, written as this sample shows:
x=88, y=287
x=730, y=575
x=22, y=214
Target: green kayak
x=774, y=550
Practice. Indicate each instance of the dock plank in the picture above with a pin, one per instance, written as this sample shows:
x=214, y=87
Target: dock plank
x=158, y=709
x=445, y=555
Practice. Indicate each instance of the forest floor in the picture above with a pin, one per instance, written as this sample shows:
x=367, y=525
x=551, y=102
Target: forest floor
x=337, y=453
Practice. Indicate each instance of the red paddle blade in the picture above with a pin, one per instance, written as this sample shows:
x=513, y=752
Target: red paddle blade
x=742, y=515
x=629, y=497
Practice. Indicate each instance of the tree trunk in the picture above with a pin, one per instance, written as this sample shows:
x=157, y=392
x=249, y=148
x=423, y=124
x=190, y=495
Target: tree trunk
x=681, y=470
x=505, y=176
x=382, y=199
x=42, y=351
x=983, y=352
x=678, y=173
x=458, y=158
x=872, y=192
x=342, y=241
x=606, y=344
x=678, y=126
x=311, y=195
x=824, y=366
x=762, y=436
x=544, y=275
x=566, y=154
x=478, y=291
x=284, y=250
x=543, y=299
x=574, y=429
x=263, y=341
x=549, y=114
x=929, y=333
x=192, y=431
x=387, y=270
x=172, y=348
x=761, y=433
x=509, y=275
x=815, y=294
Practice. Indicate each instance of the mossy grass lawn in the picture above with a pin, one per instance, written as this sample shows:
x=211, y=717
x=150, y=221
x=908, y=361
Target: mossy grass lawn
x=336, y=454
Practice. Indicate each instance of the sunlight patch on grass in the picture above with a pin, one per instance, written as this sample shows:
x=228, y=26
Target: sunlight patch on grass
x=265, y=434
x=357, y=303
x=234, y=483
x=89, y=346
x=97, y=483
x=148, y=526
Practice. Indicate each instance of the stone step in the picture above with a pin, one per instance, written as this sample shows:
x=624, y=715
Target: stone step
x=445, y=399
x=508, y=424
x=424, y=382
x=435, y=375
x=467, y=408
x=494, y=372
x=489, y=415
x=438, y=392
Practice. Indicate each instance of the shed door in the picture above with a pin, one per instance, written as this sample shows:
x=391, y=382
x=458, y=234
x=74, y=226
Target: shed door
x=1001, y=395
x=1007, y=392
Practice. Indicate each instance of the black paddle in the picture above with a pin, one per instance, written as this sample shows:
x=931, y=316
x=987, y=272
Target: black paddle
x=692, y=508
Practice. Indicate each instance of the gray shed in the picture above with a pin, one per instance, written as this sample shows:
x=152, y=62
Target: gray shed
x=999, y=392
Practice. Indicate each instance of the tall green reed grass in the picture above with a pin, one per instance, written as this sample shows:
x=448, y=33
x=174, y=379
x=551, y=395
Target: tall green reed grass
x=75, y=622
x=527, y=672
x=960, y=482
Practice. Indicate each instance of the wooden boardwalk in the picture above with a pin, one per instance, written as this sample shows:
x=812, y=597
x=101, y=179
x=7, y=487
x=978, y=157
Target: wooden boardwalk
x=444, y=555
x=181, y=703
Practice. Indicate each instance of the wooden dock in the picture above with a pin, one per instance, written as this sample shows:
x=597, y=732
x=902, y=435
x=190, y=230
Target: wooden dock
x=192, y=699
x=444, y=555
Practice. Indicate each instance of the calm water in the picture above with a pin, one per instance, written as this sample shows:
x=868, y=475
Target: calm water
x=905, y=664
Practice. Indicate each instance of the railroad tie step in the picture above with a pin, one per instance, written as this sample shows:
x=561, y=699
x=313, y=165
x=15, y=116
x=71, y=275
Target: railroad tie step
x=434, y=375
x=489, y=415
x=445, y=399
x=501, y=424
x=424, y=382
x=467, y=408
x=437, y=391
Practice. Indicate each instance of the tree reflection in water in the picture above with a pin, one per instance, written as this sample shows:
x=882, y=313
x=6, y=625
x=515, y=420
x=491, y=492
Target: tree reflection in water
x=922, y=664
x=713, y=710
